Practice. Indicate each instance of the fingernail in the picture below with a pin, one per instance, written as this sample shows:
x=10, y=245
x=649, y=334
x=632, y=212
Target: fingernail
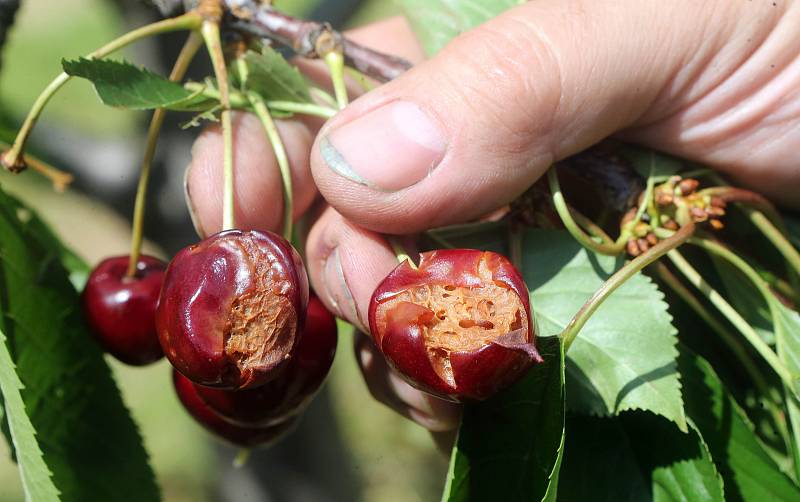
x=339, y=294
x=190, y=206
x=388, y=149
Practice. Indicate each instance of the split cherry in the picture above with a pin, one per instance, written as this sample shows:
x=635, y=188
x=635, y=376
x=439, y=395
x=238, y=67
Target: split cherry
x=121, y=309
x=232, y=308
x=291, y=392
x=459, y=326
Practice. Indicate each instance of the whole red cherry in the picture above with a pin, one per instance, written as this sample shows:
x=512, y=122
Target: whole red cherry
x=240, y=436
x=232, y=308
x=459, y=326
x=120, y=310
x=291, y=392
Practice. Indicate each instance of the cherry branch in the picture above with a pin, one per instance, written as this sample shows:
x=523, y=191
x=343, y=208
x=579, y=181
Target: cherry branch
x=305, y=37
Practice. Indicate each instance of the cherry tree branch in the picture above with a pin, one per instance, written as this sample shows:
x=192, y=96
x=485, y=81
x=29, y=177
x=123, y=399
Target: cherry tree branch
x=304, y=37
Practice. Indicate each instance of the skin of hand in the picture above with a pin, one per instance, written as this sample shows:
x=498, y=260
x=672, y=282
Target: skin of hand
x=472, y=128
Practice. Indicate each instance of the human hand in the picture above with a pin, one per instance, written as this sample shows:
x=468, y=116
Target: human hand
x=471, y=129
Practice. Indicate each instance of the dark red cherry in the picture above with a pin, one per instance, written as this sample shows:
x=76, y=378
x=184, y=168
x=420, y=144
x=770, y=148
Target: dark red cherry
x=240, y=436
x=120, y=310
x=459, y=326
x=232, y=309
x=291, y=392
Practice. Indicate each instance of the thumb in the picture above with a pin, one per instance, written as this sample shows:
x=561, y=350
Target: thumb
x=471, y=129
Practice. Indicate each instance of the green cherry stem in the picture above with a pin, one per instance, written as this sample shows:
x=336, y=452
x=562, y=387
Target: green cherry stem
x=733, y=343
x=790, y=386
x=774, y=234
x=242, y=457
x=12, y=159
x=335, y=61
x=302, y=108
x=400, y=251
x=771, y=395
x=630, y=269
x=190, y=48
x=571, y=225
x=694, y=277
x=211, y=36
x=261, y=110
x=57, y=177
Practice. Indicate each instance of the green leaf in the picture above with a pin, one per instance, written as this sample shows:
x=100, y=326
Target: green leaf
x=679, y=466
x=272, y=77
x=636, y=457
x=121, y=84
x=599, y=463
x=509, y=448
x=625, y=356
x=36, y=480
x=88, y=439
x=436, y=22
x=748, y=471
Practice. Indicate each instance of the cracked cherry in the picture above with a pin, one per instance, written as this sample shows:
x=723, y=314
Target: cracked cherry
x=458, y=327
x=120, y=310
x=246, y=437
x=232, y=308
x=292, y=391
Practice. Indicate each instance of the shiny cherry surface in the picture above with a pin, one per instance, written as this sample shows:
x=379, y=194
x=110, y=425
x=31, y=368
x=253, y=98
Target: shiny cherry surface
x=459, y=326
x=232, y=308
x=247, y=437
x=120, y=310
x=292, y=391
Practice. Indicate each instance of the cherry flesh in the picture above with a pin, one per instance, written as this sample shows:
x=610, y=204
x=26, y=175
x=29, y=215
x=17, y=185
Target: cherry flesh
x=291, y=392
x=247, y=437
x=232, y=308
x=458, y=327
x=120, y=310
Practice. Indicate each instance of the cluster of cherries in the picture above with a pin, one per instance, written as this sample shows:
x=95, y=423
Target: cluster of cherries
x=250, y=348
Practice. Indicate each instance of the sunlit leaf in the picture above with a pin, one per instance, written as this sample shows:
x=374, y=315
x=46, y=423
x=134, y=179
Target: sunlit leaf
x=121, y=84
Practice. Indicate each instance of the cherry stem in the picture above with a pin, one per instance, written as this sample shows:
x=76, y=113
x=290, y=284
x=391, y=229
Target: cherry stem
x=765, y=217
x=242, y=457
x=733, y=343
x=59, y=178
x=572, y=226
x=630, y=269
x=190, y=48
x=515, y=246
x=725, y=308
x=302, y=108
x=239, y=100
x=335, y=62
x=775, y=307
x=12, y=158
x=261, y=110
x=400, y=252
x=211, y=36
x=777, y=237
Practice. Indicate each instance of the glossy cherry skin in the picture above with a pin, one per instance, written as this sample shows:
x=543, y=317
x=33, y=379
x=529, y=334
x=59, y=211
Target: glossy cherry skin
x=232, y=308
x=120, y=310
x=291, y=392
x=458, y=327
x=247, y=437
